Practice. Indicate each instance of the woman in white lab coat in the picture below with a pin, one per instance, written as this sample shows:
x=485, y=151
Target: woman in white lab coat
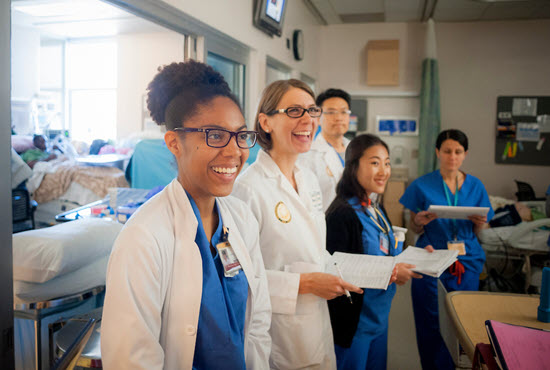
x=286, y=200
x=171, y=302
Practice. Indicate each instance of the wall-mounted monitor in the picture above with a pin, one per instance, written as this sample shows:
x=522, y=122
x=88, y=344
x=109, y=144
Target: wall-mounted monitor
x=269, y=16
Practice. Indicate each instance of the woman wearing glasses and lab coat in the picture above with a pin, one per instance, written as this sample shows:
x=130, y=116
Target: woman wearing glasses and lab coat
x=286, y=200
x=171, y=301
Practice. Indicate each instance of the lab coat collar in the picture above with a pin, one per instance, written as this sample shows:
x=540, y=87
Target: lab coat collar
x=271, y=170
x=268, y=165
x=320, y=144
x=184, y=218
x=186, y=222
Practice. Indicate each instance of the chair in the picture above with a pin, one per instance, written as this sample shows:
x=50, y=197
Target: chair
x=525, y=192
x=22, y=210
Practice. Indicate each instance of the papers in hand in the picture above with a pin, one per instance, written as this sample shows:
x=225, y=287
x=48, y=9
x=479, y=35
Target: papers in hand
x=364, y=271
x=431, y=264
x=458, y=212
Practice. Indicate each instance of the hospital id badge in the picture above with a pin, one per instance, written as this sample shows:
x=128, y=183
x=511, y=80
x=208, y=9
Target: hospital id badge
x=457, y=245
x=231, y=265
x=384, y=243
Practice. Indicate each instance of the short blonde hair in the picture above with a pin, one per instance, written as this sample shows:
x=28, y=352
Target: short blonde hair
x=271, y=96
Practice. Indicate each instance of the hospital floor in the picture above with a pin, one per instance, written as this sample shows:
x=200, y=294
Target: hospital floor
x=402, y=350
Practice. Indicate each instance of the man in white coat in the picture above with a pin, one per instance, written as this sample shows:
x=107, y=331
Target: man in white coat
x=327, y=153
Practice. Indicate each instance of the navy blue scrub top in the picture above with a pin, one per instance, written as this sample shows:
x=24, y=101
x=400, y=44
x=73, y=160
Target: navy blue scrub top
x=220, y=333
x=376, y=302
x=428, y=190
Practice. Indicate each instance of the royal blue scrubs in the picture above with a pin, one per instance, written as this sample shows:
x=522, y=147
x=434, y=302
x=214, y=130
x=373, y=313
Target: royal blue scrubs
x=423, y=192
x=369, y=347
x=220, y=333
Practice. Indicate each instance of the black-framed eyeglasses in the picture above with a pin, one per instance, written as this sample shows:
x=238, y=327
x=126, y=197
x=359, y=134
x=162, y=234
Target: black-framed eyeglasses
x=297, y=112
x=219, y=137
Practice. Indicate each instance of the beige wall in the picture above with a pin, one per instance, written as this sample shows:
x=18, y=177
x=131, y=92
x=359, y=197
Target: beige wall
x=139, y=56
x=477, y=61
x=234, y=18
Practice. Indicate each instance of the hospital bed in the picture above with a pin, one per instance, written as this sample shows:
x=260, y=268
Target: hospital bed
x=521, y=241
x=59, y=272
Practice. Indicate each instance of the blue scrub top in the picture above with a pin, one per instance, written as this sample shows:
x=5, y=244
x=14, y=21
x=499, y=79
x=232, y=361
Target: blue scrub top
x=220, y=333
x=376, y=302
x=428, y=190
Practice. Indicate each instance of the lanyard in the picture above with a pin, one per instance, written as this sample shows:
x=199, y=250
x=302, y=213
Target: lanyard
x=447, y=191
x=386, y=228
x=338, y=155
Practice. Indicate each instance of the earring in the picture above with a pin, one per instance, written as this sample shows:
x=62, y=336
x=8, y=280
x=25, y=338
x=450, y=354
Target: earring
x=267, y=131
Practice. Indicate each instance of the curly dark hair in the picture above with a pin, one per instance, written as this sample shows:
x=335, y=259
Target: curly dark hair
x=178, y=89
x=333, y=93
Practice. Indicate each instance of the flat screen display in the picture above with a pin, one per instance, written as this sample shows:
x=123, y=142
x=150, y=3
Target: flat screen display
x=274, y=9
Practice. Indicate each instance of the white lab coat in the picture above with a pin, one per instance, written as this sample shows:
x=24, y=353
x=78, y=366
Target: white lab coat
x=325, y=162
x=300, y=325
x=154, y=286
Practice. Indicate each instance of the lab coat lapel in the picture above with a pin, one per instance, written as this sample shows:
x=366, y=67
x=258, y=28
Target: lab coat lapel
x=331, y=157
x=236, y=241
x=185, y=266
x=272, y=170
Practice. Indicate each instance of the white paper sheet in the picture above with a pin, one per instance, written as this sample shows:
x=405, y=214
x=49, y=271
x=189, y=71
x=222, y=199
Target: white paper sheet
x=432, y=264
x=458, y=212
x=362, y=270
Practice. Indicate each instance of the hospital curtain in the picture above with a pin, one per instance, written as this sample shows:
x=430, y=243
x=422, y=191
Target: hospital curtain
x=430, y=112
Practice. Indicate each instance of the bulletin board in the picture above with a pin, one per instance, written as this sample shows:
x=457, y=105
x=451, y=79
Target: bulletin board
x=523, y=130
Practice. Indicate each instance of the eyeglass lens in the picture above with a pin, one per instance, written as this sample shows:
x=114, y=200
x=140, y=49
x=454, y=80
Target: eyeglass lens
x=220, y=138
x=297, y=112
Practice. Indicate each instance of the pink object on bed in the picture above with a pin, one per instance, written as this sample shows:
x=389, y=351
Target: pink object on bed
x=21, y=143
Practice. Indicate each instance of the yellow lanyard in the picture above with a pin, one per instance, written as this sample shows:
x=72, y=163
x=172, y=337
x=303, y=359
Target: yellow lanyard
x=385, y=230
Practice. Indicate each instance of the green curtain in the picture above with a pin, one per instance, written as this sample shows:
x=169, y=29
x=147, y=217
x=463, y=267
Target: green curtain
x=430, y=117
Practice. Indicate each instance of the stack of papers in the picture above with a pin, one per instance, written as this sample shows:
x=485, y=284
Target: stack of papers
x=431, y=264
x=362, y=270
x=374, y=272
x=458, y=212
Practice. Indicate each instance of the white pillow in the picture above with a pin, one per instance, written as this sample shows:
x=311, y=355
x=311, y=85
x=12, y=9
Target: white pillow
x=83, y=279
x=40, y=255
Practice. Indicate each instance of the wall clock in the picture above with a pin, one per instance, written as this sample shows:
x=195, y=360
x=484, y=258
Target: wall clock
x=298, y=44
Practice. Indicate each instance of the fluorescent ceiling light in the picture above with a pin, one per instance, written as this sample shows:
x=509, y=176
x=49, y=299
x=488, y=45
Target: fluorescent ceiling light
x=77, y=8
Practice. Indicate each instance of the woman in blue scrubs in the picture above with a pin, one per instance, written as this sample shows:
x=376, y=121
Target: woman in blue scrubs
x=355, y=224
x=448, y=186
x=186, y=286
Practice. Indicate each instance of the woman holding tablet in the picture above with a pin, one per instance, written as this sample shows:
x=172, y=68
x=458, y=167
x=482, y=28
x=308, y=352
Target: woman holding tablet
x=448, y=186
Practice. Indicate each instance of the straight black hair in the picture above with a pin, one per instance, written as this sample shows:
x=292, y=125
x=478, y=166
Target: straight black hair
x=333, y=93
x=349, y=186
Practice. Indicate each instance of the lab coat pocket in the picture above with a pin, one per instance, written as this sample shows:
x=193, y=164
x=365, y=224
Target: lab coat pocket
x=299, y=341
x=306, y=303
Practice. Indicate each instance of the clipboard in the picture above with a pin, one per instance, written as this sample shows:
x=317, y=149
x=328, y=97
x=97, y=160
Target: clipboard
x=458, y=212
